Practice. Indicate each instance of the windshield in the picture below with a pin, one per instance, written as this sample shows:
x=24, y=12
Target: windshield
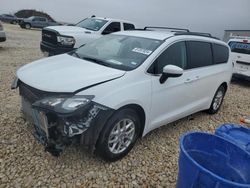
x=30, y=18
x=118, y=51
x=240, y=47
x=92, y=24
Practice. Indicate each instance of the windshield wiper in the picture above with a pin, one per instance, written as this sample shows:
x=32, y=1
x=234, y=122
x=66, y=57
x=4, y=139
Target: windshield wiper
x=89, y=28
x=98, y=61
x=76, y=54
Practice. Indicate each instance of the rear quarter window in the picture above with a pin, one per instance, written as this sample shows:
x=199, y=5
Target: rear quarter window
x=221, y=53
x=199, y=53
x=128, y=26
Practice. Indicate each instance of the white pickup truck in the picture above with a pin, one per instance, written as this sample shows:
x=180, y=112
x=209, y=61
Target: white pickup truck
x=62, y=39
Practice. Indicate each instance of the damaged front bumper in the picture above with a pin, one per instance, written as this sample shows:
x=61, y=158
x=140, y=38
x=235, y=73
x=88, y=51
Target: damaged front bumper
x=56, y=127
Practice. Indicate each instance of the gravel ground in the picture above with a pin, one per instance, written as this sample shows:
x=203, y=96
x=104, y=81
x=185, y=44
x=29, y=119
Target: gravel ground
x=152, y=162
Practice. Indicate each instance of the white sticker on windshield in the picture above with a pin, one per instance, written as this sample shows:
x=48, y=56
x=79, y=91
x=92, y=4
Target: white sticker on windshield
x=114, y=61
x=142, y=51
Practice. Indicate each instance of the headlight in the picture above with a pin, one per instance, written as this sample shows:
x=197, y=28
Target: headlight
x=52, y=101
x=67, y=41
x=64, y=104
x=74, y=103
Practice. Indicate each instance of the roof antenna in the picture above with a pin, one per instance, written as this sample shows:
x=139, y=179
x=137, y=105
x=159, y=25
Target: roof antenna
x=92, y=16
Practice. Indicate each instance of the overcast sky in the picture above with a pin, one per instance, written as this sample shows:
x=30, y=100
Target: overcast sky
x=212, y=16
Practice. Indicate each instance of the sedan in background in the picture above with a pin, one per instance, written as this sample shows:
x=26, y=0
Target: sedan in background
x=8, y=18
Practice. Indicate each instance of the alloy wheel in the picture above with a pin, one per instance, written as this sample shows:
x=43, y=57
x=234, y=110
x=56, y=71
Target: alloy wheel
x=121, y=136
x=217, y=100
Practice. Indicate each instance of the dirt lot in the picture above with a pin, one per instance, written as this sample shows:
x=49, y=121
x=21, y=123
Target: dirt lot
x=152, y=162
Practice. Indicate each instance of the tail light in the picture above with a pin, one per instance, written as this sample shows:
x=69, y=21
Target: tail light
x=245, y=41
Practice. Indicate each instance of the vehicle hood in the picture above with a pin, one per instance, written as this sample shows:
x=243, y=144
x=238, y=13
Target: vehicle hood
x=65, y=73
x=63, y=30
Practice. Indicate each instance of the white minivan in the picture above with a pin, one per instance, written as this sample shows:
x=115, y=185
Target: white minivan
x=109, y=92
x=240, y=48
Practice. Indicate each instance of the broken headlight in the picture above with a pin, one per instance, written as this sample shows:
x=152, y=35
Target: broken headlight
x=74, y=103
x=64, y=104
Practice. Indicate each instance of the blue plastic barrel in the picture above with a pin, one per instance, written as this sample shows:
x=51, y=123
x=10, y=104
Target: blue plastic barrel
x=235, y=133
x=210, y=161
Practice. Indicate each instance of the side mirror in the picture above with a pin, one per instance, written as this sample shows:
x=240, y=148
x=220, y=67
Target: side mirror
x=170, y=71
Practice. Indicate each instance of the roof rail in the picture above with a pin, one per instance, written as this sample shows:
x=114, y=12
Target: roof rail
x=196, y=34
x=180, y=31
x=168, y=28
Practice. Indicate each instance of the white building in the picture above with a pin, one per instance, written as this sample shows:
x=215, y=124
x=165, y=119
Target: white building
x=231, y=33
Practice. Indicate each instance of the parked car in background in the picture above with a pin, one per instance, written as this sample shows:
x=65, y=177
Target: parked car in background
x=2, y=33
x=8, y=18
x=240, y=48
x=36, y=22
x=62, y=39
x=113, y=90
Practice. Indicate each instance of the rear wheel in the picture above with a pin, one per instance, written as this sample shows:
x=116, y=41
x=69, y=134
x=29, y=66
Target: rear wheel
x=27, y=26
x=119, y=135
x=217, y=100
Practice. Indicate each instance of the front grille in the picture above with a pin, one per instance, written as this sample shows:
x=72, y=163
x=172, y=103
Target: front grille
x=27, y=110
x=243, y=62
x=49, y=36
x=29, y=93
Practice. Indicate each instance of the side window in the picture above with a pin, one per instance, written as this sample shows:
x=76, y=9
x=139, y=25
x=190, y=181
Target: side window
x=42, y=19
x=200, y=54
x=173, y=55
x=220, y=53
x=36, y=19
x=128, y=26
x=112, y=27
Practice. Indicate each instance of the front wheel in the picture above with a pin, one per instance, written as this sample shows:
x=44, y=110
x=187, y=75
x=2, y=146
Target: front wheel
x=119, y=135
x=217, y=100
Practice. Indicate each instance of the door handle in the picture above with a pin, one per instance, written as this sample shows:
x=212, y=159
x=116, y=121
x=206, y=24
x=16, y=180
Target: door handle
x=189, y=80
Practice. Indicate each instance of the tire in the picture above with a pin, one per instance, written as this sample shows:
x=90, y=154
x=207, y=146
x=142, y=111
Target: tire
x=217, y=100
x=113, y=143
x=27, y=26
x=14, y=22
